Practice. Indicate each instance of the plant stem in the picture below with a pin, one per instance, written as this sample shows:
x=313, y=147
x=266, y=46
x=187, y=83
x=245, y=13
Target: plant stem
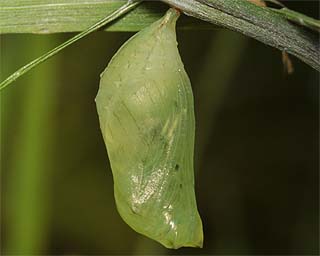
x=119, y=12
x=30, y=164
x=260, y=23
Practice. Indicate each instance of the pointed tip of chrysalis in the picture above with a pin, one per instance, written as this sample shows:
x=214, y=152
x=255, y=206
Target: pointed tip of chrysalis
x=171, y=16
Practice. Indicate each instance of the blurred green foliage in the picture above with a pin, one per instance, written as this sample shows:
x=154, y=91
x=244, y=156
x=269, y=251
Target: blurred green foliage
x=256, y=162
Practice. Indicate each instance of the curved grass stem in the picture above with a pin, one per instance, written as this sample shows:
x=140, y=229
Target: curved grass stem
x=117, y=13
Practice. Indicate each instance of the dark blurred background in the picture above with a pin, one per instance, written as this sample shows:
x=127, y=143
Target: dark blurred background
x=256, y=155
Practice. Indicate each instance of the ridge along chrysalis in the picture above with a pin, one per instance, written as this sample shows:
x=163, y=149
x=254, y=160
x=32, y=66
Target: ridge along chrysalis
x=146, y=114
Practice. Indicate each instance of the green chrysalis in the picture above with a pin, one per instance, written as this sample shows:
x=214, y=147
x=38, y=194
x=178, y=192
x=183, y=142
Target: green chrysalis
x=145, y=108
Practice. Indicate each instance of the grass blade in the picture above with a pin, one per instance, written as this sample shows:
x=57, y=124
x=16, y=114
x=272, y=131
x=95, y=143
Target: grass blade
x=122, y=10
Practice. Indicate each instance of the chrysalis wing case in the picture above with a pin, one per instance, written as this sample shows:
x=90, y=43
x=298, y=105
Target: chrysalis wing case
x=145, y=107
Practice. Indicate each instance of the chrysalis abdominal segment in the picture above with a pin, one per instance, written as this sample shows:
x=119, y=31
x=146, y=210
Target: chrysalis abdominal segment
x=145, y=108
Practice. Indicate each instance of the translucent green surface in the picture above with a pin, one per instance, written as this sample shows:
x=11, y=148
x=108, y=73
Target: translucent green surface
x=145, y=107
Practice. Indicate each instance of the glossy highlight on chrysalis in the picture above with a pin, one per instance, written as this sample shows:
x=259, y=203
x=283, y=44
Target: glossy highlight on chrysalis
x=145, y=108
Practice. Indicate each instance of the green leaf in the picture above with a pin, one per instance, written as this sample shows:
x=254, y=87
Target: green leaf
x=106, y=20
x=47, y=16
